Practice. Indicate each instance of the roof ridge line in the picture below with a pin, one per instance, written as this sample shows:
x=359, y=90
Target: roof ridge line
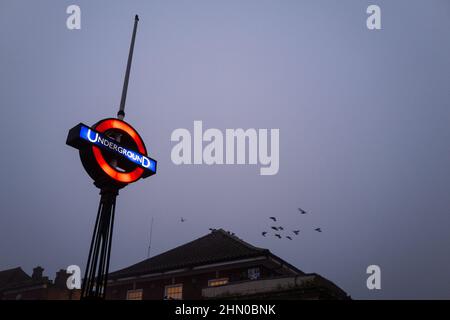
x=165, y=252
x=241, y=241
x=166, y=259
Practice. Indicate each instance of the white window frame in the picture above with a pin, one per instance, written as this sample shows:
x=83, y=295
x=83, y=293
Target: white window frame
x=173, y=286
x=254, y=269
x=218, y=279
x=135, y=291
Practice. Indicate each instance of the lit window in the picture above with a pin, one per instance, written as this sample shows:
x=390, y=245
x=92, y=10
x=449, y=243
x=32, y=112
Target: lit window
x=174, y=292
x=134, y=294
x=217, y=282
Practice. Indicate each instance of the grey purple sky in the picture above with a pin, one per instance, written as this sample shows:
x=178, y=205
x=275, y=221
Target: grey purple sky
x=363, y=116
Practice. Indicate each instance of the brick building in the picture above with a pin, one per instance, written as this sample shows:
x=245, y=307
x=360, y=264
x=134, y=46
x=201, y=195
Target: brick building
x=15, y=284
x=218, y=265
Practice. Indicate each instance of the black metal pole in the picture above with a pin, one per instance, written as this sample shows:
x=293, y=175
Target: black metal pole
x=97, y=268
x=111, y=227
x=96, y=274
x=87, y=273
x=121, y=113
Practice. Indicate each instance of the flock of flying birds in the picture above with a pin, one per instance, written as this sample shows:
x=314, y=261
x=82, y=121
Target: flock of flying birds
x=278, y=230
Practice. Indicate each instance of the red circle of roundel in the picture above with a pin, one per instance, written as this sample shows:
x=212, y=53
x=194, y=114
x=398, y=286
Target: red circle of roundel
x=125, y=177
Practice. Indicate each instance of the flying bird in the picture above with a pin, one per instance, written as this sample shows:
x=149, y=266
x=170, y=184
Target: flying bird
x=301, y=211
x=318, y=229
x=182, y=219
x=296, y=232
x=264, y=233
x=278, y=236
x=289, y=237
x=275, y=228
x=280, y=228
x=273, y=218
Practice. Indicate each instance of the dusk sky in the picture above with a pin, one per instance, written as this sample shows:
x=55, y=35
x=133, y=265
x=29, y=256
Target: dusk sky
x=364, y=120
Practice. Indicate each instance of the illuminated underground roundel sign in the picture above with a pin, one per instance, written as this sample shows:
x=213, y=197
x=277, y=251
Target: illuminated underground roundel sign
x=112, y=151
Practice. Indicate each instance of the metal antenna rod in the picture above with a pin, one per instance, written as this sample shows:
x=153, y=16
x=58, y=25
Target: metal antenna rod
x=121, y=113
x=150, y=242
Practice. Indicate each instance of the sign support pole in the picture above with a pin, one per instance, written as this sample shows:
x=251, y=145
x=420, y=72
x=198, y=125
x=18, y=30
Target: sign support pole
x=97, y=267
x=121, y=113
x=96, y=274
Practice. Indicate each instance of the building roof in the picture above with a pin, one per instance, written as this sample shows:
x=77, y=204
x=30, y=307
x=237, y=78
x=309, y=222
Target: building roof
x=217, y=246
x=10, y=276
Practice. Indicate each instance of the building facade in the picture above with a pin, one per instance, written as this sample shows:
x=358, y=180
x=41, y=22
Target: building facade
x=15, y=284
x=218, y=265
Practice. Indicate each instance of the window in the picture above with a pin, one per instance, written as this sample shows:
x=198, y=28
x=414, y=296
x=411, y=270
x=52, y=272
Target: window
x=134, y=294
x=254, y=273
x=174, y=292
x=217, y=282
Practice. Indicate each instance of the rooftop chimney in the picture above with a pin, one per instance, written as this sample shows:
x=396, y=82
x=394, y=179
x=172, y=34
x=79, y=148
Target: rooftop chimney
x=37, y=273
x=61, y=278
